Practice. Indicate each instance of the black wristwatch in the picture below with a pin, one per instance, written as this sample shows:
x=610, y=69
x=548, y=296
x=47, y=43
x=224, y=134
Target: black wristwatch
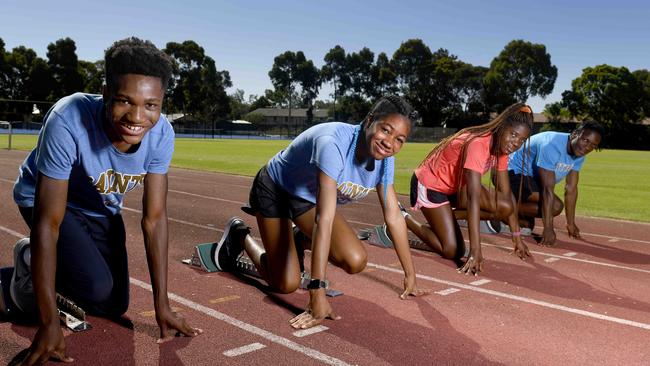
x=315, y=284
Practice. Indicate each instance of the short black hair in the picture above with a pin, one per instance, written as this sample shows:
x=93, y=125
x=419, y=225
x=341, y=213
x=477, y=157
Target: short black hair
x=593, y=126
x=135, y=56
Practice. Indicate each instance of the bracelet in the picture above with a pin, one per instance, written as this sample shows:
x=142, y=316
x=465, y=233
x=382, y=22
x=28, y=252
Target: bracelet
x=515, y=234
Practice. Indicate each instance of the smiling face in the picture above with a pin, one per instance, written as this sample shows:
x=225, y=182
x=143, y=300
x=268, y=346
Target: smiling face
x=133, y=108
x=581, y=144
x=386, y=137
x=513, y=137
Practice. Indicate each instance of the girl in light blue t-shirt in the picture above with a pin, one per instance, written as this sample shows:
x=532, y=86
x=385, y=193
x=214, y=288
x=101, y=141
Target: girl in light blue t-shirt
x=328, y=164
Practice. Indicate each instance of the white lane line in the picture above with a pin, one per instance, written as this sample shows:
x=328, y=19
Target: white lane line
x=528, y=300
x=480, y=282
x=309, y=352
x=611, y=238
x=575, y=259
x=14, y=233
x=570, y=254
x=179, y=221
x=448, y=291
x=310, y=331
x=207, y=197
x=243, y=350
x=551, y=260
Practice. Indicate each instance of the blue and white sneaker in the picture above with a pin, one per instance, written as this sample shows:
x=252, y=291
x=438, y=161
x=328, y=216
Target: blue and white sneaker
x=230, y=247
x=379, y=237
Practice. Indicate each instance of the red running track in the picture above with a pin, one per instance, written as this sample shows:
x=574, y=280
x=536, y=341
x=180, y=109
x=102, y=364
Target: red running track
x=582, y=303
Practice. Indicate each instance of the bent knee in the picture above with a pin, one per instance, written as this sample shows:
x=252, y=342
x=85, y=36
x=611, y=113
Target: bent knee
x=355, y=263
x=558, y=206
x=286, y=286
x=504, y=209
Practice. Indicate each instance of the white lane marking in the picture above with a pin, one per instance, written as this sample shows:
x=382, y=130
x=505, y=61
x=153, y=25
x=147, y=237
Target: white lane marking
x=310, y=331
x=207, y=197
x=448, y=291
x=528, y=300
x=309, y=352
x=551, y=260
x=611, y=238
x=575, y=259
x=179, y=221
x=14, y=233
x=570, y=254
x=243, y=350
x=480, y=282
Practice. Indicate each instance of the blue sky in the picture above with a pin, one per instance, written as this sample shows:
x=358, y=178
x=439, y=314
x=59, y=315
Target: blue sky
x=244, y=36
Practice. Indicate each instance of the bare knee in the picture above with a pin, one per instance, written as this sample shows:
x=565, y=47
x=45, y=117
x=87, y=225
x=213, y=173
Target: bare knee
x=505, y=208
x=558, y=206
x=449, y=251
x=355, y=262
x=285, y=285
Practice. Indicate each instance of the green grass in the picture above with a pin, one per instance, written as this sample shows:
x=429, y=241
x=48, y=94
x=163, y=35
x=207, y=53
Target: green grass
x=613, y=183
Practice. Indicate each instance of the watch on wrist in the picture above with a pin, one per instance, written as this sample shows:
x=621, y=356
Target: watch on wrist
x=315, y=284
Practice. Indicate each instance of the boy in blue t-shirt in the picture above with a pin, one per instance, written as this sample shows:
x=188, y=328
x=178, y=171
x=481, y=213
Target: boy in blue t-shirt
x=553, y=157
x=91, y=150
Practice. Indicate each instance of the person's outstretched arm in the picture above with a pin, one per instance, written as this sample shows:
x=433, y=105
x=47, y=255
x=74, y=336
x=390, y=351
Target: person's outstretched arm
x=319, y=308
x=520, y=249
x=570, y=201
x=49, y=209
x=154, y=229
x=547, y=178
x=398, y=232
x=474, y=263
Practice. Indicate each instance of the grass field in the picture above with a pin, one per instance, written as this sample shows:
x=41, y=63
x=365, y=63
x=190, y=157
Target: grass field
x=613, y=183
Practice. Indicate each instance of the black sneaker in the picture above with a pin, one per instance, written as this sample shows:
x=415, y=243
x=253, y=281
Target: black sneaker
x=22, y=290
x=494, y=226
x=231, y=245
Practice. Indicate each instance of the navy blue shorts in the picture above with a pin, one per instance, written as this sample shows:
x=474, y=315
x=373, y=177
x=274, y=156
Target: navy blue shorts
x=92, y=266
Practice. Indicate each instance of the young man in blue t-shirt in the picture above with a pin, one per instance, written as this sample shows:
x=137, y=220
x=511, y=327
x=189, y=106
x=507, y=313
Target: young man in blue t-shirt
x=553, y=157
x=91, y=150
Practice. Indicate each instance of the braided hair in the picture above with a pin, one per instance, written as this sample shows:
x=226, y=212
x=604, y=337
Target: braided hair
x=385, y=106
x=516, y=114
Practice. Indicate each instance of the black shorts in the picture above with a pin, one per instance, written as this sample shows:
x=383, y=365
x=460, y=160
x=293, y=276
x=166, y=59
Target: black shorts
x=529, y=187
x=272, y=201
x=432, y=196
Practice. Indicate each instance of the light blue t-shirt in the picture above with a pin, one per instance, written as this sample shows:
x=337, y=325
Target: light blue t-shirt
x=548, y=150
x=73, y=146
x=328, y=147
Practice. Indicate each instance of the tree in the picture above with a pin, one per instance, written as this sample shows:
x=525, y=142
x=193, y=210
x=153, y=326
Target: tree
x=412, y=65
x=197, y=87
x=610, y=95
x=292, y=74
x=522, y=69
x=643, y=78
x=359, y=68
x=29, y=78
x=63, y=61
x=238, y=106
x=557, y=116
x=384, y=79
x=93, y=75
x=4, y=70
x=335, y=70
